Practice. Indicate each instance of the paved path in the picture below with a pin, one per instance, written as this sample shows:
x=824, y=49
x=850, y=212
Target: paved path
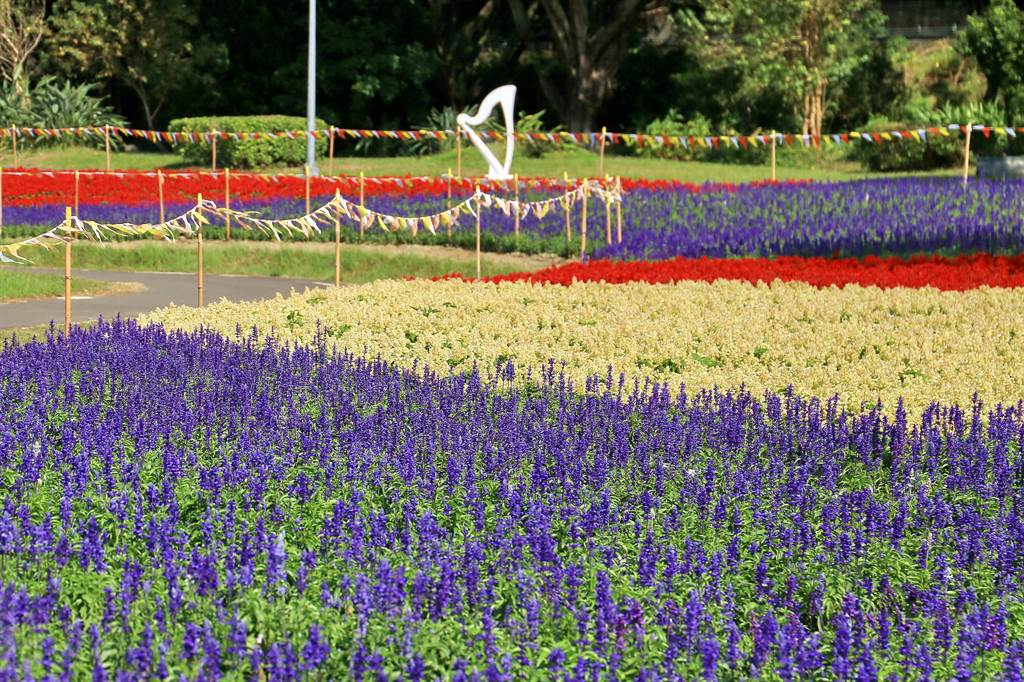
x=162, y=288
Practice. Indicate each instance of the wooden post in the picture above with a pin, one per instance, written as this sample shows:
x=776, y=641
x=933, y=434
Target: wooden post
x=568, y=227
x=607, y=213
x=515, y=179
x=600, y=162
x=449, y=176
x=106, y=144
x=479, y=211
x=160, y=193
x=213, y=152
x=773, y=156
x=337, y=243
x=67, y=273
x=227, y=204
x=306, y=173
x=583, y=221
x=199, y=253
x=618, y=209
x=76, y=192
x=458, y=151
x=967, y=153
x=330, y=152
x=14, y=145
x=362, y=202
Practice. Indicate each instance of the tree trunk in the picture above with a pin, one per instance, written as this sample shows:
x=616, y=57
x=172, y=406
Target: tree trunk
x=812, y=112
x=591, y=51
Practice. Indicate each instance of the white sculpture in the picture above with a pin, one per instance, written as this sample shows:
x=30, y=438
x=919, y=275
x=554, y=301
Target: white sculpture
x=506, y=97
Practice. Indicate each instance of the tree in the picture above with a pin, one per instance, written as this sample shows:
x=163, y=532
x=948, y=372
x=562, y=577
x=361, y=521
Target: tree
x=589, y=40
x=147, y=45
x=803, y=47
x=996, y=39
x=472, y=45
x=22, y=26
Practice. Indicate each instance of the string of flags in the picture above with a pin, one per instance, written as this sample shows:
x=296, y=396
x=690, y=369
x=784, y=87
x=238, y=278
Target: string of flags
x=189, y=222
x=340, y=207
x=637, y=139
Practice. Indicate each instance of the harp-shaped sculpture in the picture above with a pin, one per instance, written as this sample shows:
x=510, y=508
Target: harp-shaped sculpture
x=506, y=97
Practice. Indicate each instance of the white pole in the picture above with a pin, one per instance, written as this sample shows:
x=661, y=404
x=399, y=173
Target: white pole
x=311, y=92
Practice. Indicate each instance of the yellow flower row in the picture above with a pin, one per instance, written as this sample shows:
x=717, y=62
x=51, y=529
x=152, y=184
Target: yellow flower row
x=865, y=344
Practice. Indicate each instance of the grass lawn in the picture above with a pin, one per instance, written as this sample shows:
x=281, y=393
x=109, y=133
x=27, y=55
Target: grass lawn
x=303, y=260
x=25, y=334
x=20, y=285
x=794, y=163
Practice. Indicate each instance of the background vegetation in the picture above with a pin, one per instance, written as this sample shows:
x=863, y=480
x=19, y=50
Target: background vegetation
x=670, y=66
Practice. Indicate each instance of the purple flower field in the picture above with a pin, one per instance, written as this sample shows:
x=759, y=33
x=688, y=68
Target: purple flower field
x=185, y=507
x=865, y=217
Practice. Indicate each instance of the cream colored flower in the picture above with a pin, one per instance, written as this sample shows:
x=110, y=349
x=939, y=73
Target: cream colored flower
x=865, y=344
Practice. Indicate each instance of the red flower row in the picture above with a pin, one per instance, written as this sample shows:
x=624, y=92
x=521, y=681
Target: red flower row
x=949, y=274
x=27, y=187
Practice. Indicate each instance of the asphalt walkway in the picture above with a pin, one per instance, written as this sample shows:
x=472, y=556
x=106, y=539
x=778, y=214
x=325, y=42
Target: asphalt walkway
x=162, y=288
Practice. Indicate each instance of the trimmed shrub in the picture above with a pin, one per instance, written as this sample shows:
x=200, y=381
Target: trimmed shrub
x=247, y=153
x=674, y=125
x=939, y=152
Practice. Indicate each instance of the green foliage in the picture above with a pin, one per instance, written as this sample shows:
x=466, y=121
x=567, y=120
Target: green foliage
x=440, y=119
x=939, y=73
x=534, y=123
x=939, y=151
x=248, y=153
x=874, y=86
x=672, y=124
x=50, y=104
x=790, y=53
x=152, y=47
x=996, y=39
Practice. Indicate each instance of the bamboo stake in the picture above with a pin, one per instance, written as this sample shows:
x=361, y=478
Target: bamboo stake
x=583, y=222
x=67, y=273
x=362, y=202
x=337, y=244
x=306, y=172
x=448, y=226
x=568, y=227
x=106, y=144
x=479, y=211
x=600, y=162
x=330, y=152
x=618, y=209
x=449, y=178
x=14, y=145
x=607, y=214
x=967, y=153
x=213, y=152
x=515, y=179
x=76, y=191
x=199, y=253
x=773, y=156
x=1, y=201
x=458, y=152
x=160, y=193
x=227, y=204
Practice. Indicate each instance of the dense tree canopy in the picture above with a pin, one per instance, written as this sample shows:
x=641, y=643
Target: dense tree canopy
x=784, y=64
